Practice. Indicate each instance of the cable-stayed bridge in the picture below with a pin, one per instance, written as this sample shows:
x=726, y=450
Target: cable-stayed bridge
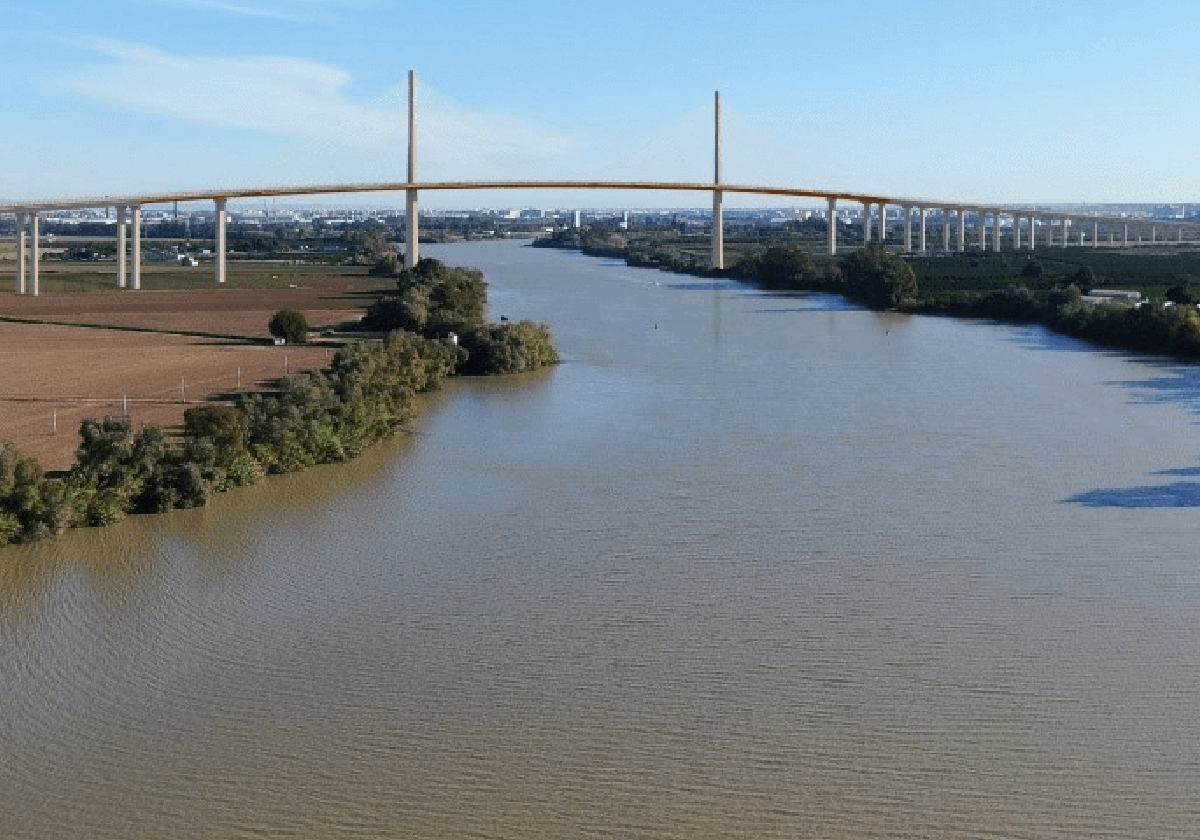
x=954, y=219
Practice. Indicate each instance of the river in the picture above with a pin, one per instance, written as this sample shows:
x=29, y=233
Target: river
x=743, y=565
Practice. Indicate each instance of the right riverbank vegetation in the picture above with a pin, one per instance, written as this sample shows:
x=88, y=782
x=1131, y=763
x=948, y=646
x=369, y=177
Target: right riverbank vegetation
x=1059, y=288
x=435, y=327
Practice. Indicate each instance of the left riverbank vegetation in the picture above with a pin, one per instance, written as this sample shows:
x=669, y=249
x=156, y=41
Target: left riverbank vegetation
x=435, y=327
x=1050, y=286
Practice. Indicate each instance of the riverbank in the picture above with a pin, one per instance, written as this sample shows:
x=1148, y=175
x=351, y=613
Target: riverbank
x=1046, y=288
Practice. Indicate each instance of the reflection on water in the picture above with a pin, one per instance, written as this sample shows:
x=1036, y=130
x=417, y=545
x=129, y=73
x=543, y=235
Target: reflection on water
x=744, y=565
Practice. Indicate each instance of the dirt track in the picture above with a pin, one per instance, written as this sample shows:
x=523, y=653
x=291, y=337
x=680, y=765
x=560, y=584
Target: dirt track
x=60, y=375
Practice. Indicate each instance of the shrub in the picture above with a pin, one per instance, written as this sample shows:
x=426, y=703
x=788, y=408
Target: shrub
x=289, y=325
x=508, y=348
x=431, y=299
x=878, y=277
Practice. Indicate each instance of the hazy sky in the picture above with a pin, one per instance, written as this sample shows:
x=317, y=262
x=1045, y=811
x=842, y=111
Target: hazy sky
x=1007, y=102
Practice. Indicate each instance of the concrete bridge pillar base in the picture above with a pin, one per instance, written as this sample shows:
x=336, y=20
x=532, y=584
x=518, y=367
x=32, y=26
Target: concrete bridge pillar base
x=832, y=216
x=135, y=258
x=220, y=220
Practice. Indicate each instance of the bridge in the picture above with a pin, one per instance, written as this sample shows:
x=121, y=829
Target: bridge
x=953, y=217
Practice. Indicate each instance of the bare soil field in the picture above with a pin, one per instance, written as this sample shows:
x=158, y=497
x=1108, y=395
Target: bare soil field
x=53, y=377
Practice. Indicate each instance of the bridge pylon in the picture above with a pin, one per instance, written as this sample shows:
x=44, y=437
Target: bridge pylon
x=410, y=219
x=718, y=213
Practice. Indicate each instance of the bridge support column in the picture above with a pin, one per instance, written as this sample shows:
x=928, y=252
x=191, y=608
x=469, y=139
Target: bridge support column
x=982, y=229
x=1095, y=234
x=22, y=253
x=866, y=223
x=996, y=231
x=1153, y=234
x=1179, y=235
x=882, y=222
x=135, y=258
x=122, y=247
x=1125, y=236
x=945, y=229
x=1016, y=232
x=1081, y=229
x=908, y=211
x=961, y=215
x=35, y=253
x=718, y=230
x=923, y=212
x=832, y=226
x=412, y=237
x=220, y=221
x=411, y=234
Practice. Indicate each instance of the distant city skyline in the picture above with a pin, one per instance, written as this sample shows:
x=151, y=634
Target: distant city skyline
x=1023, y=103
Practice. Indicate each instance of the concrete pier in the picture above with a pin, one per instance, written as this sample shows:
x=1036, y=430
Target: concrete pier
x=1095, y=234
x=945, y=229
x=982, y=229
x=923, y=211
x=220, y=221
x=135, y=257
x=832, y=217
x=908, y=211
x=35, y=253
x=22, y=253
x=1032, y=233
x=412, y=235
x=122, y=248
x=996, y=231
x=962, y=229
x=882, y=222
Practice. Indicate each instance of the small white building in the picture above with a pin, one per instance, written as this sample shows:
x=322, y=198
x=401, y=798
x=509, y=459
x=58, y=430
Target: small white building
x=1120, y=297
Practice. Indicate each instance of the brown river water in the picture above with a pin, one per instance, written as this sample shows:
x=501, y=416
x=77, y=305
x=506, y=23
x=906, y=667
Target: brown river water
x=744, y=565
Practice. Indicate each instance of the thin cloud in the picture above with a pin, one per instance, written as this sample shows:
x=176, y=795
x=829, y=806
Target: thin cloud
x=295, y=11
x=307, y=99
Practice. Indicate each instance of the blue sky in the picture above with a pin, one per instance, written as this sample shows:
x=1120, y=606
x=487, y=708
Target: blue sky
x=1006, y=102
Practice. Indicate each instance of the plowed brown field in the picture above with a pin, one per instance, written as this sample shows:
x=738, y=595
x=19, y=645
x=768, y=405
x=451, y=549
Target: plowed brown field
x=52, y=377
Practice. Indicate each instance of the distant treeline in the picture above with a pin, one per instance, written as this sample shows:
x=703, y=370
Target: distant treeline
x=1044, y=287
x=316, y=417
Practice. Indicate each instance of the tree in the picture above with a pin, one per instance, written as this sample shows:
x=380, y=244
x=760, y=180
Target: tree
x=373, y=248
x=1084, y=277
x=289, y=325
x=432, y=299
x=878, y=277
x=1182, y=292
x=779, y=267
x=1032, y=270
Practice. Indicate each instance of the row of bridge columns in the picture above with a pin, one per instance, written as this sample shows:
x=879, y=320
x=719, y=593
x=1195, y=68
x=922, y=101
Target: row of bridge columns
x=957, y=218
x=129, y=247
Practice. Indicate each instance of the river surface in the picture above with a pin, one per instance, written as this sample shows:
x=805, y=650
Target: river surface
x=743, y=565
